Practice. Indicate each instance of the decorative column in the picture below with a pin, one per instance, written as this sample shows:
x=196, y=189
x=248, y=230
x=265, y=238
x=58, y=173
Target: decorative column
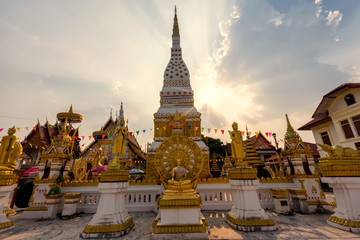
x=281, y=201
x=246, y=213
x=111, y=219
x=71, y=201
x=10, y=149
x=52, y=203
x=299, y=197
x=7, y=184
x=342, y=173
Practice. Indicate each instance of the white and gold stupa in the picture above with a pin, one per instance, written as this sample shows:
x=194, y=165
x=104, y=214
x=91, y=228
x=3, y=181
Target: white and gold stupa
x=177, y=114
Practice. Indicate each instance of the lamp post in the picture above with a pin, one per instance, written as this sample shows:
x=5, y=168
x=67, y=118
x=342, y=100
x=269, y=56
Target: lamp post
x=278, y=151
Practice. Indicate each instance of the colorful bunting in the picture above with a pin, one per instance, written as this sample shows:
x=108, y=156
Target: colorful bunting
x=89, y=137
x=103, y=136
x=18, y=129
x=137, y=132
x=229, y=131
x=83, y=137
x=222, y=131
x=34, y=129
x=196, y=128
x=144, y=131
x=202, y=129
x=215, y=130
x=131, y=133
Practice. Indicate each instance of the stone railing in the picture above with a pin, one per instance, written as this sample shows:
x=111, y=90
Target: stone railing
x=215, y=195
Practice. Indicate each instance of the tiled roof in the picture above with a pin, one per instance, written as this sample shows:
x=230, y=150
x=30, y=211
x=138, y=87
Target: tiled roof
x=314, y=123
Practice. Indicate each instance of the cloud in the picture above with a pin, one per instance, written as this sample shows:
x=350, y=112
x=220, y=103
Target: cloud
x=334, y=17
x=213, y=118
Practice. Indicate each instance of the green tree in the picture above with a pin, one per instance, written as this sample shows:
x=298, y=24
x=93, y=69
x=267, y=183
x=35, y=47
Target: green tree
x=216, y=146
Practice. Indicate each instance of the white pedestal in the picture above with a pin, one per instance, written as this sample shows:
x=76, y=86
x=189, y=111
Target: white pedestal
x=347, y=194
x=180, y=218
x=37, y=208
x=246, y=213
x=111, y=218
x=71, y=201
x=52, y=203
x=280, y=199
x=5, y=223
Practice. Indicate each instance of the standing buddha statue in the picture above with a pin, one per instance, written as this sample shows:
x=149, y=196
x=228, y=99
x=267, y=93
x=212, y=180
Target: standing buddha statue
x=237, y=145
x=119, y=148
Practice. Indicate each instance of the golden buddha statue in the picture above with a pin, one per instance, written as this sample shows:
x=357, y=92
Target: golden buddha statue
x=179, y=175
x=178, y=187
x=97, y=155
x=119, y=147
x=10, y=149
x=237, y=145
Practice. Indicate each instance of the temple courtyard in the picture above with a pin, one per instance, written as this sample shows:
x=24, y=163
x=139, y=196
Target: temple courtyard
x=298, y=226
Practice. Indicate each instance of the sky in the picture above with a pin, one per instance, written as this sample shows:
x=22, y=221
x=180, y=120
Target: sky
x=250, y=61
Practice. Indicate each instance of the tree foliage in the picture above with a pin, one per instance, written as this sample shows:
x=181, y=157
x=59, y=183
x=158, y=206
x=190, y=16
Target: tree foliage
x=216, y=146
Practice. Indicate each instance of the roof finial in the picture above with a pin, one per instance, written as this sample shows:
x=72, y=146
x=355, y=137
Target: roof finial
x=71, y=109
x=289, y=127
x=121, y=113
x=247, y=132
x=175, y=26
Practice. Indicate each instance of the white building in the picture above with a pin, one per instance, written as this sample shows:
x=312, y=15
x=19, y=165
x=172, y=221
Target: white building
x=336, y=120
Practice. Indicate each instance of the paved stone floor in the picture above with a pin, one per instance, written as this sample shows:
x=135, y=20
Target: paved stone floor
x=299, y=226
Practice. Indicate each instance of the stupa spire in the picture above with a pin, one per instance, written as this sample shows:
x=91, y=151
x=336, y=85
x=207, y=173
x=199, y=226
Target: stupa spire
x=176, y=32
x=289, y=127
x=121, y=114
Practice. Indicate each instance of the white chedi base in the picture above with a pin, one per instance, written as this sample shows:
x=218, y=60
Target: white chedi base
x=246, y=213
x=347, y=194
x=180, y=216
x=183, y=216
x=5, y=224
x=111, y=218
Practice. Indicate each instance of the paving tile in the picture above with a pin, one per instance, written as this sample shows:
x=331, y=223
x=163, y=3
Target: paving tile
x=299, y=226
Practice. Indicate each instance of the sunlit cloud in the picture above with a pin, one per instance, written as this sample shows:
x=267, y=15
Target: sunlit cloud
x=249, y=61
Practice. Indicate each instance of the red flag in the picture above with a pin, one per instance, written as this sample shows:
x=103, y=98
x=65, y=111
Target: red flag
x=76, y=137
x=243, y=133
x=34, y=129
x=1, y=129
x=222, y=131
x=83, y=137
x=89, y=137
x=131, y=133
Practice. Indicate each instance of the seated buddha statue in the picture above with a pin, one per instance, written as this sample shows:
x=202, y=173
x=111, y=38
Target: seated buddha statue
x=179, y=175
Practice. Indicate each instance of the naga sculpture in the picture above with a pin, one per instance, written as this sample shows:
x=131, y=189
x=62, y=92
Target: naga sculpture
x=338, y=151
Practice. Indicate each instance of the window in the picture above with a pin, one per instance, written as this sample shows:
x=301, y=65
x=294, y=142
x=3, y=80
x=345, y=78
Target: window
x=325, y=138
x=347, y=129
x=349, y=99
x=356, y=121
x=357, y=146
